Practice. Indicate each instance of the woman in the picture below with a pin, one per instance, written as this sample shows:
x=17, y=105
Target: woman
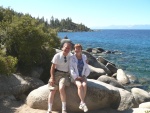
x=79, y=71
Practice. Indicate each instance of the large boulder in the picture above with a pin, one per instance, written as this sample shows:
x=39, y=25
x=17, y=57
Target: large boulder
x=133, y=79
x=111, y=66
x=36, y=72
x=122, y=77
x=98, y=96
x=145, y=105
x=12, y=85
x=127, y=100
x=33, y=83
x=95, y=72
x=102, y=60
x=110, y=80
x=17, y=85
x=140, y=95
x=137, y=110
x=93, y=62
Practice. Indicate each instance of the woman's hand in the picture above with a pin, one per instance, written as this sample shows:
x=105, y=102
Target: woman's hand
x=81, y=78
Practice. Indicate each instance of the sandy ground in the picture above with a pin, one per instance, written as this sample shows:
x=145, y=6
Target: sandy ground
x=7, y=106
x=26, y=109
x=13, y=106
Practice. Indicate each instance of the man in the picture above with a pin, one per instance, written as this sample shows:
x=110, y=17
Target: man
x=59, y=76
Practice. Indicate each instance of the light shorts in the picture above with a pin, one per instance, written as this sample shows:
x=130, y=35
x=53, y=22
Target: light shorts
x=73, y=81
x=61, y=78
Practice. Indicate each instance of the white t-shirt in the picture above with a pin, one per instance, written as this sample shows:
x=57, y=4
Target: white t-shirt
x=59, y=60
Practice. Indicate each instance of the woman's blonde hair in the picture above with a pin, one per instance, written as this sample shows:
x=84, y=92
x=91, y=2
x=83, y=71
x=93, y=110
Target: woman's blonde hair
x=78, y=45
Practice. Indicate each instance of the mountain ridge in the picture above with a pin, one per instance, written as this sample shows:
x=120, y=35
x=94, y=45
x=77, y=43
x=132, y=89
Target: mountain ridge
x=146, y=26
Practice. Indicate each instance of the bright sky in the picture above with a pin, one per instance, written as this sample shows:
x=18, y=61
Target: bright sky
x=92, y=13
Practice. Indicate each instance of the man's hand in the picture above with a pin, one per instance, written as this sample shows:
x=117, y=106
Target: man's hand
x=51, y=81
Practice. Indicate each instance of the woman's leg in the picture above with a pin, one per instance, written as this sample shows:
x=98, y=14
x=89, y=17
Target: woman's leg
x=80, y=90
x=84, y=84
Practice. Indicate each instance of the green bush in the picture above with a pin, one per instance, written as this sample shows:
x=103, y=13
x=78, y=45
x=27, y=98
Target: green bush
x=28, y=40
x=31, y=42
x=7, y=65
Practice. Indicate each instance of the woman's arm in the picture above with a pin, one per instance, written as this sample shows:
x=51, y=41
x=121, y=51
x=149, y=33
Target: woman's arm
x=72, y=67
x=87, y=69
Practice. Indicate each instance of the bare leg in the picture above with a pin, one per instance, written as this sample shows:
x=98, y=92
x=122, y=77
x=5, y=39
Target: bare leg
x=84, y=84
x=51, y=99
x=62, y=92
x=62, y=96
x=51, y=96
x=82, y=87
x=80, y=90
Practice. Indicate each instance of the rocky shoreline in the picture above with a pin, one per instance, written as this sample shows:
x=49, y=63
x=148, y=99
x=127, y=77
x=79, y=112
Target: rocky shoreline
x=107, y=92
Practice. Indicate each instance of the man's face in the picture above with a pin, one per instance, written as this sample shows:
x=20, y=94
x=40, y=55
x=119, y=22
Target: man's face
x=66, y=48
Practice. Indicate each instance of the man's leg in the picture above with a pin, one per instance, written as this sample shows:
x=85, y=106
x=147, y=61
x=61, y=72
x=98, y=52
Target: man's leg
x=51, y=99
x=62, y=94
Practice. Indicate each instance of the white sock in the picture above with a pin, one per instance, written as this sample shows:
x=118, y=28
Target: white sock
x=50, y=107
x=63, y=105
x=82, y=103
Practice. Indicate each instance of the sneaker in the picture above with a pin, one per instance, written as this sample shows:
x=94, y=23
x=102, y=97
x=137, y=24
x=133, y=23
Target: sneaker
x=83, y=107
x=80, y=107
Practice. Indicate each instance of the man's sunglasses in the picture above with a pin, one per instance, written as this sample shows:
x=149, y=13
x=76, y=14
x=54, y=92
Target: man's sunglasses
x=65, y=59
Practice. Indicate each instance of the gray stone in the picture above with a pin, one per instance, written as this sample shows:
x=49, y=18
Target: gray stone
x=89, y=49
x=110, y=80
x=17, y=84
x=127, y=100
x=13, y=84
x=102, y=60
x=122, y=77
x=95, y=72
x=132, y=79
x=111, y=67
x=98, y=96
x=145, y=105
x=36, y=72
x=95, y=51
x=140, y=95
x=93, y=62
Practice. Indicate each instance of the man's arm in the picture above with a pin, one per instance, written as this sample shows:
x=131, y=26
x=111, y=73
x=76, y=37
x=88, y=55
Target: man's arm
x=52, y=78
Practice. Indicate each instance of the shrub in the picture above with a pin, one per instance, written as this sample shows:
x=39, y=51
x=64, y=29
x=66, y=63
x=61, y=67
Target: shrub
x=7, y=65
x=30, y=41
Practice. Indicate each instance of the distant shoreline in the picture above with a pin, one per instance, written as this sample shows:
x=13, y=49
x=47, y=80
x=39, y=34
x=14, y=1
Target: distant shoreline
x=119, y=29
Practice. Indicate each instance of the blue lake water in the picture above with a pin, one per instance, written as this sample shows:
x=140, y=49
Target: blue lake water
x=134, y=46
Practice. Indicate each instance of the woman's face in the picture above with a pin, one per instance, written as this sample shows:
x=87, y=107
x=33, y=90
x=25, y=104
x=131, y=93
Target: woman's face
x=78, y=50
